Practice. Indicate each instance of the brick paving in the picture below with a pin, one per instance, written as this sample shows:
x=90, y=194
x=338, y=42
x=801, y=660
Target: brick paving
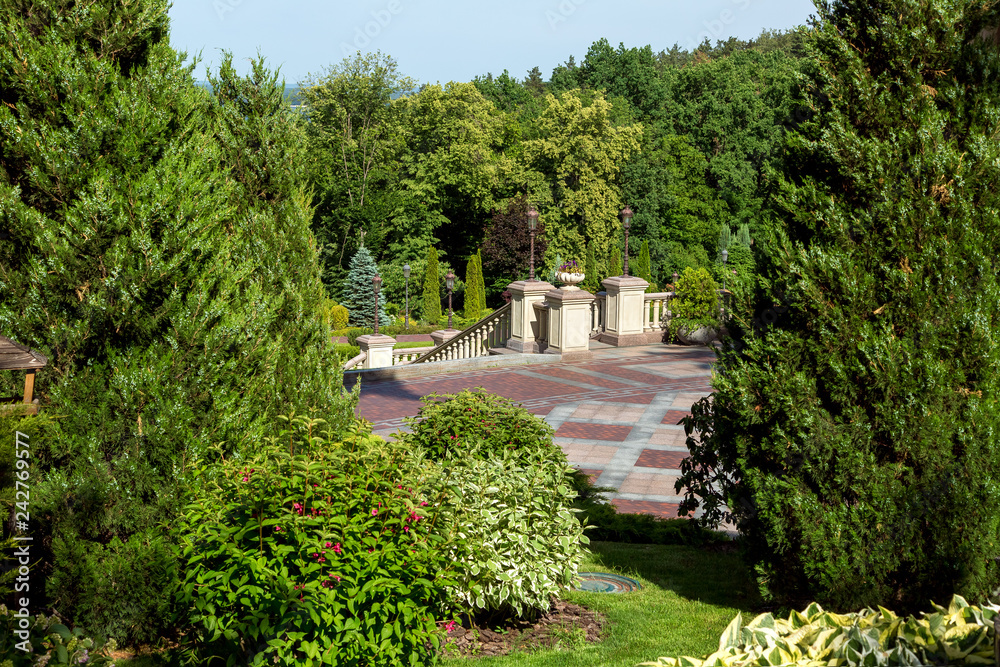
x=616, y=415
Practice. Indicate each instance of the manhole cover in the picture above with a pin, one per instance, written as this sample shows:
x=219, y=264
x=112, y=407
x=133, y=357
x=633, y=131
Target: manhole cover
x=605, y=582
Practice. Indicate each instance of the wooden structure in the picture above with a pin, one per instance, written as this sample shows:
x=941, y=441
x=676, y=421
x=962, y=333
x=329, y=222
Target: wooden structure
x=16, y=357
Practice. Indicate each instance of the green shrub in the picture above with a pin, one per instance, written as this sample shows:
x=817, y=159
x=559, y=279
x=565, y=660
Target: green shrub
x=520, y=541
x=430, y=308
x=41, y=640
x=517, y=541
x=696, y=301
x=339, y=317
x=478, y=424
x=353, y=333
x=958, y=635
x=311, y=551
x=347, y=352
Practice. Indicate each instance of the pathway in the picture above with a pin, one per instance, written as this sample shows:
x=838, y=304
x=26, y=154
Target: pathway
x=616, y=415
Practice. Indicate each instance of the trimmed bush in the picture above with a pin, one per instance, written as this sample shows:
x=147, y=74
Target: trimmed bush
x=311, y=551
x=696, y=301
x=430, y=310
x=339, y=317
x=478, y=424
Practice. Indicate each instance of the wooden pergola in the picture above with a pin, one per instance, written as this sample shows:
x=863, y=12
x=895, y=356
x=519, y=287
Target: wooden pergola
x=16, y=357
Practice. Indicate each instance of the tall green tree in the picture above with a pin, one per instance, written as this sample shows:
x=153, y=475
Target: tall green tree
x=475, y=295
x=592, y=281
x=615, y=267
x=851, y=432
x=643, y=269
x=431, y=310
x=165, y=269
x=354, y=142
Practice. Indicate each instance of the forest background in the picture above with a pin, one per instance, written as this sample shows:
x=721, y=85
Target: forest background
x=686, y=139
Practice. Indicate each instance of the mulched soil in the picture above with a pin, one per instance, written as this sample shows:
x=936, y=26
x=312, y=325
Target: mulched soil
x=565, y=625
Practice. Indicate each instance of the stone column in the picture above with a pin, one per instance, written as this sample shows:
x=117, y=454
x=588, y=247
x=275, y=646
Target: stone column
x=442, y=336
x=524, y=333
x=625, y=316
x=569, y=322
x=379, y=349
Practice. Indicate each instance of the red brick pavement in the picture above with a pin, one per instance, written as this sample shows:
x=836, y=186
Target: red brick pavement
x=591, y=473
x=567, y=374
x=656, y=458
x=639, y=397
x=628, y=374
x=675, y=416
x=593, y=431
x=662, y=510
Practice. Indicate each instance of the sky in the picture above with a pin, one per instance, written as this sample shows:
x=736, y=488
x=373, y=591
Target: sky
x=447, y=40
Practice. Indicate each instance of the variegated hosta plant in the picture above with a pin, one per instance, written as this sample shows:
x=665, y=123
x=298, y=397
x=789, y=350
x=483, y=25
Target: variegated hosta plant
x=960, y=634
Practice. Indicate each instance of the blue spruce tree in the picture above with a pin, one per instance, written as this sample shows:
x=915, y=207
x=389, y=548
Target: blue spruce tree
x=358, y=294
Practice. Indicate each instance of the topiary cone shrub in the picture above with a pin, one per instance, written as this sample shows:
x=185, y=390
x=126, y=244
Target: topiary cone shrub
x=852, y=435
x=695, y=303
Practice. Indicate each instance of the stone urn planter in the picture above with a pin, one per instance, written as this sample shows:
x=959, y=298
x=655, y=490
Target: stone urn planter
x=570, y=280
x=700, y=336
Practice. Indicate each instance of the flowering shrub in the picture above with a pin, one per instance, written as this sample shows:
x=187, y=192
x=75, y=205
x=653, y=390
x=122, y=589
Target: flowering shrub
x=512, y=532
x=313, y=552
x=477, y=424
x=569, y=267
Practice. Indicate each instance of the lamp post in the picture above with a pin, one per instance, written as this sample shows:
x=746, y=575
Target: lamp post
x=377, y=282
x=532, y=225
x=406, y=308
x=725, y=256
x=626, y=223
x=449, y=281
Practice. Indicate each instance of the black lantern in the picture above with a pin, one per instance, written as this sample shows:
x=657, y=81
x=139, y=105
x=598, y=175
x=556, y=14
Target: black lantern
x=406, y=307
x=377, y=282
x=626, y=223
x=532, y=226
x=449, y=281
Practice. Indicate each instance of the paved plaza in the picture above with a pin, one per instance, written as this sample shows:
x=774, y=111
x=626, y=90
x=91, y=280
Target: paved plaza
x=616, y=415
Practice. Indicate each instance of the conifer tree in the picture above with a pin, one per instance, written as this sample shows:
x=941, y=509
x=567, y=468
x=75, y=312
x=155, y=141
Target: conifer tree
x=852, y=431
x=432, y=289
x=166, y=270
x=482, y=279
x=743, y=235
x=358, y=293
x=615, y=263
x=643, y=268
x=474, y=292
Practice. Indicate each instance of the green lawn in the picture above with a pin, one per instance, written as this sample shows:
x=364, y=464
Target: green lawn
x=688, y=598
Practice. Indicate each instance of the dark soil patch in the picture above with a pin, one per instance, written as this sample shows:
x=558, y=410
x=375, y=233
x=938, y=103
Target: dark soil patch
x=565, y=625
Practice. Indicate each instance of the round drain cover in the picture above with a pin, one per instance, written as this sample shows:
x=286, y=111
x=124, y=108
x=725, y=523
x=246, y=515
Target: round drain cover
x=605, y=582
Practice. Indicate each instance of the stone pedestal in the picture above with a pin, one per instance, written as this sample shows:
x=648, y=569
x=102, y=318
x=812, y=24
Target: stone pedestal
x=524, y=327
x=625, y=316
x=378, y=349
x=569, y=322
x=442, y=336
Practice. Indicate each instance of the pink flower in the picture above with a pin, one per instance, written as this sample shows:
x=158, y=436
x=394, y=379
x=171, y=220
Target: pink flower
x=374, y=512
x=406, y=529
x=246, y=479
x=328, y=545
x=336, y=548
x=322, y=560
x=449, y=626
x=423, y=504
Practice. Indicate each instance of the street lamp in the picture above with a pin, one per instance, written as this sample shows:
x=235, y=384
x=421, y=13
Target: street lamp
x=626, y=223
x=377, y=282
x=406, y=308
x=532, y=225
x=449, y=281
x=725, y=256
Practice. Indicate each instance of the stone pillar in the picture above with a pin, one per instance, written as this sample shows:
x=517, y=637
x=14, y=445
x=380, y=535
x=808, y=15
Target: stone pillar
x=569, y=322
x=379, y=349
x=442, y=336
x=524, y=333
x=625, y=316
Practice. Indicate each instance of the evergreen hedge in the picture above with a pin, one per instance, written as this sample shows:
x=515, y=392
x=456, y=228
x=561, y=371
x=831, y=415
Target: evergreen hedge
x=156, y=249
x=431, y=310
x=852, y=431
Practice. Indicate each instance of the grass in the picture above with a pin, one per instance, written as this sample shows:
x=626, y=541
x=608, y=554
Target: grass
x=688, y=598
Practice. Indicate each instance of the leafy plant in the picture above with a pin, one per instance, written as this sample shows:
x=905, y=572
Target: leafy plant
x=339, y=317
x=959, y=635
x=475, y=289
x=47, y=641
x=696, y=301
x=311, y=550
x=431, y=308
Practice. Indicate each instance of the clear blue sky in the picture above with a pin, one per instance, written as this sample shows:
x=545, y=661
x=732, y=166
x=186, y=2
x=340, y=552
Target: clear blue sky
x=447, y=40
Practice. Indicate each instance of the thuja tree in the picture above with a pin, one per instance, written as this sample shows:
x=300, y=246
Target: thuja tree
x=358, y=293
x=431, y=310
x=474, y=289
x=154, y=245
x=854, y=437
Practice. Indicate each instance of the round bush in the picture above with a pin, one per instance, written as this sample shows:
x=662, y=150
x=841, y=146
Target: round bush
x=477, y=424
x=313, y=551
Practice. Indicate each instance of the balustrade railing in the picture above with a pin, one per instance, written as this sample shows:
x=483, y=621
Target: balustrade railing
x=542, y=317
x=598, y=313
x=409, y=355
x=476, y=341
x=355, y=362
x=657, y=310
